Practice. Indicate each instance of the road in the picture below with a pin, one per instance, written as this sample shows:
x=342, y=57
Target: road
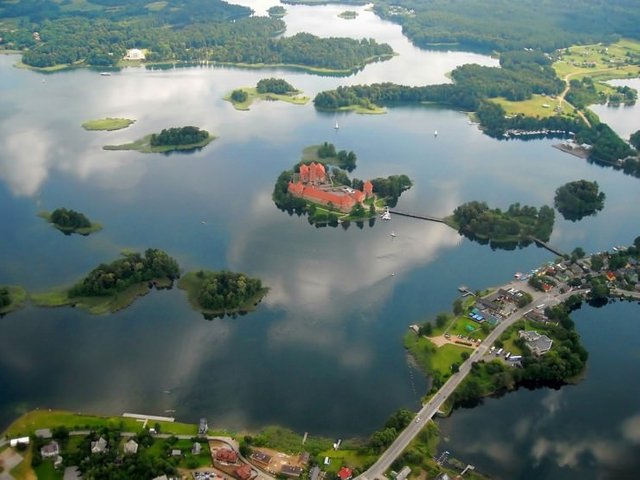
x=429, y=409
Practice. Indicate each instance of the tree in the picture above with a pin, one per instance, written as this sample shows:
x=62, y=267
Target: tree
x=635, y=139
x=455, y=367
x=426, y=329
x=441, y=320
x=457, y=307
x=239, y=96
x=577, y=253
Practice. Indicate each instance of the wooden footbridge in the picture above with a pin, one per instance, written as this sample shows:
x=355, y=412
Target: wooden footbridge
x=420, y=217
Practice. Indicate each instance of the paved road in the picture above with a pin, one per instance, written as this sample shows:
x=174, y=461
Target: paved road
x=376, y=471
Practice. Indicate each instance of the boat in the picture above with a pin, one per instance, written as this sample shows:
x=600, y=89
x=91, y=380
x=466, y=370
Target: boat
x=393, y=234
x=435, y=133
x=337, y=126
x=105, y=74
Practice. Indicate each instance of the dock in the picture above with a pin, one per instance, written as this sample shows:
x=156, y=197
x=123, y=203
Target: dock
x=154, y=418
x=542, y=244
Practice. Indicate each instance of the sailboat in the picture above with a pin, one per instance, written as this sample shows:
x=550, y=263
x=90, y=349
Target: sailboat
x=435, y=134
x=393, y=234
x=337, y=126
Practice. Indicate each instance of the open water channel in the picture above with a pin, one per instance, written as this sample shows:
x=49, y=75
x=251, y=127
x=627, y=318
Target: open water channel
x=323, y=353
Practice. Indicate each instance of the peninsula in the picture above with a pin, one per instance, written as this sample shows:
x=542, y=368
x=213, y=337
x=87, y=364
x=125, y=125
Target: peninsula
x=69, y=221
x=317, y=187
x=176, y=139
x=12, y=298
x=269, y=89
x=108, y=124
x=114, y=286
x=217, y=294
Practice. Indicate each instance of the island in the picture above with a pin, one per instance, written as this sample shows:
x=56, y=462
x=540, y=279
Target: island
x=69, y=221
x=323, y=191
x=277, y=11
x=12, y=298
x=176, y=139
x=576, y=200
x=517, y=226
x=217, y=294
x=113, y=286
x=108, y=124
x=270, y=89
x=348, y=14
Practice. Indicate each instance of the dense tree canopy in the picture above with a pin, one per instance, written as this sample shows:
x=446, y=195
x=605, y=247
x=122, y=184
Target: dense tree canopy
x=575, y=200
x=634, y=139
x=179, y=136
x=120, y=274
x=275, y=85
x=65, y=218
x=5, y=297
x=503, y=25
x=226, y=290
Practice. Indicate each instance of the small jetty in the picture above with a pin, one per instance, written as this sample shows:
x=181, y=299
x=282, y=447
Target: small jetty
x=465, y=291
x=542, y=244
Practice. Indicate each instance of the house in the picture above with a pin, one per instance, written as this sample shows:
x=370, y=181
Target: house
x=134, y=54
x=50, y=450
x=99, y=446
x=537, y=343
x=404, y=473
x=226, y=455
x=260, y=457
x=290, y=471
x=196, y=448
x=304, y=457
x=43, y=433
x=203, y=427
x=21, y=440
x=131, y=447
x=345, y=473
x=314, y=474
x=244, y=472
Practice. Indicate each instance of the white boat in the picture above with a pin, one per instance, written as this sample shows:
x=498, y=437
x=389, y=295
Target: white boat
x=105, y=74
x=393, y=234
x=435, y=134
x=337, y=126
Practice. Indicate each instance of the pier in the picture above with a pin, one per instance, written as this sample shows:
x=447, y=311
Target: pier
x=419, y=217
x=542, y=244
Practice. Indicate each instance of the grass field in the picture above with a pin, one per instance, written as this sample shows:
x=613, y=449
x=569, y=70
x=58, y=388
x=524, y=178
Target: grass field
x=253, y=95
x=143, y=145
x=432, y=359
x=108, y=124
x=536, y=106
x=601, y=61
x=31, y=421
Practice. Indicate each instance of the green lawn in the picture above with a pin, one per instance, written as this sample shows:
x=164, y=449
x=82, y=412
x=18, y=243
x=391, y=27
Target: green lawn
x=46, y=471
x=607, y=64
x=536, y=106
x=108, y=124
x=432, y=359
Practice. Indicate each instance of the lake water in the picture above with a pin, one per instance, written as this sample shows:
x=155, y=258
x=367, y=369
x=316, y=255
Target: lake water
x=323, y=353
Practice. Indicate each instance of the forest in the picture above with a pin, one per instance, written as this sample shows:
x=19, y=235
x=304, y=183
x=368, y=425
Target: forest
x=71, y=219
x=178, y=136
x=224, y=291
x=518, y=223
x=576, y=200
x=502, y=25
x=5, y=297
x=99, y=32
x=133, y=268
x=275, y=85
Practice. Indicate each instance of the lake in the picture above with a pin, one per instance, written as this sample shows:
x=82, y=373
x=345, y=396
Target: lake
x=323, y=353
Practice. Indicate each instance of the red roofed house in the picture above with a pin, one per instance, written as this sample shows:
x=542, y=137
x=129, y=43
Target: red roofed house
x=368, y=188
x=345, y=473
x=226, y=455
x=244, y=472
x=304, y=173
x=611, y=276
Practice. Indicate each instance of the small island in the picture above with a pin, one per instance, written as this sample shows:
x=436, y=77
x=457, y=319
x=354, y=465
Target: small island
x=517, y=226
x=269, y=89
x=348, y=15
x=277, y=11
x=319, y=188
x=107, y=124
x=114, y=286
x=70, y=221
x=174, y=139
x=11, y=299
x=579, y=199
x=217, y=294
